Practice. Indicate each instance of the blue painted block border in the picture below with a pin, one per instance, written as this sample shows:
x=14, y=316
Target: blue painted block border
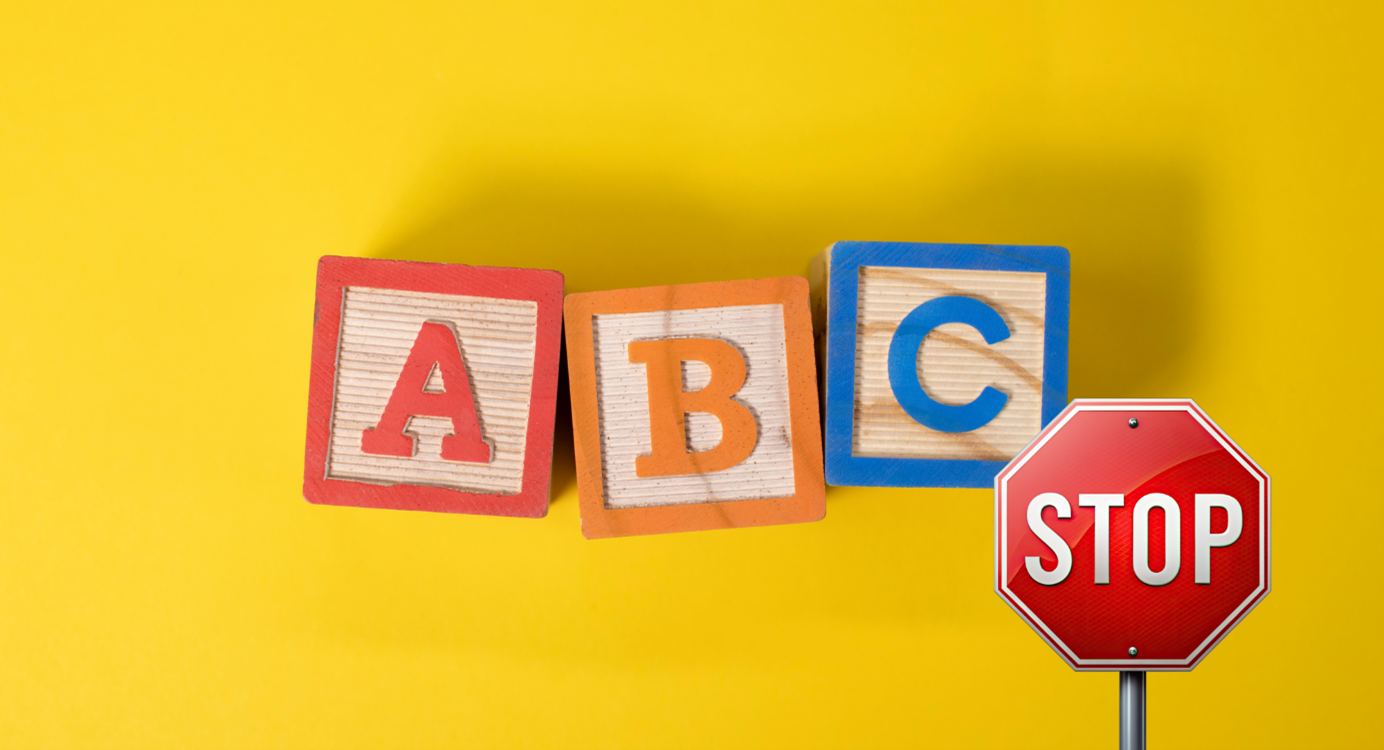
x=843, y=469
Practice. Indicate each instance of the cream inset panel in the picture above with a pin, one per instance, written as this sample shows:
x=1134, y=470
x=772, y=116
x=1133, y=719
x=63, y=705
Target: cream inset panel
x=954, y=364
x=497, y=338
x=622, y=395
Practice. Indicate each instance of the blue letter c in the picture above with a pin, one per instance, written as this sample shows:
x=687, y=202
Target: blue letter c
x=903, y=363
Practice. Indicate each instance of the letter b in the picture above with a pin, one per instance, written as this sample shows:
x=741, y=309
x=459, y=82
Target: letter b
x=669, y=404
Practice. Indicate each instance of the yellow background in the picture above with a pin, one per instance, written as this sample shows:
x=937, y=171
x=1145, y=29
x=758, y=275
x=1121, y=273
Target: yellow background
x=169, y=175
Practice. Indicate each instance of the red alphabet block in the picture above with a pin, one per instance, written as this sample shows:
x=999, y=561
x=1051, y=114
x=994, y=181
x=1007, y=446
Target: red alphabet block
x=433, y=387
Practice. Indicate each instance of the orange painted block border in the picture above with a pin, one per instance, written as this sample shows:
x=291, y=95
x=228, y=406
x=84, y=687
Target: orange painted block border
x=808, y=502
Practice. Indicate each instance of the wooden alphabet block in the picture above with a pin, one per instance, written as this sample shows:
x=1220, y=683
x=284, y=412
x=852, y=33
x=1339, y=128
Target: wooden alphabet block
x=433, y=387
x=942, y=361
x=694, y=407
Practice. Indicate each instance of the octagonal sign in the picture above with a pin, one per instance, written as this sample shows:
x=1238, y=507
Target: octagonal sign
x=1132, y=534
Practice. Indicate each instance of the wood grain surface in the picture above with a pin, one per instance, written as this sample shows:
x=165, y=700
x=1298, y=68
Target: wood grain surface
x=623, y=396
x=496, y=337
x=954, y=365
x=480, y=346
x=767, y=322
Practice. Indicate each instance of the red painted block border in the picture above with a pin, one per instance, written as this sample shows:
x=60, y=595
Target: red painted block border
x=542, y=287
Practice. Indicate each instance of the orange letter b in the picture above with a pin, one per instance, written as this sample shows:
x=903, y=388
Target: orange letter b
x=669, y=404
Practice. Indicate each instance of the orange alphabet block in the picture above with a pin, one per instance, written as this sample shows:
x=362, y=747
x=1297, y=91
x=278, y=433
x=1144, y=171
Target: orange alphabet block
x=694, y=407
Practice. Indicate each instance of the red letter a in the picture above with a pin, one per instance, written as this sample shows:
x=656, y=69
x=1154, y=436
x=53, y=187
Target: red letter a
x=436, y=345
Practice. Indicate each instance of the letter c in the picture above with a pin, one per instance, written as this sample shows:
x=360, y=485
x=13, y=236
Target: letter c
x=903, y=363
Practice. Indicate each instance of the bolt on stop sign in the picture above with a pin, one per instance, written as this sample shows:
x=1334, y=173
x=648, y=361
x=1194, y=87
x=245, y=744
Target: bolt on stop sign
x=1132, y=535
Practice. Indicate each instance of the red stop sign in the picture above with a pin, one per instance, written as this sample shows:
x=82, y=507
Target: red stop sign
x=1132, y=534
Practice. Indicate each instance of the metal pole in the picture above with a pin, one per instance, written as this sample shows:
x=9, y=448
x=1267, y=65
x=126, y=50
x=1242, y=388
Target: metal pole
x=1133, y=699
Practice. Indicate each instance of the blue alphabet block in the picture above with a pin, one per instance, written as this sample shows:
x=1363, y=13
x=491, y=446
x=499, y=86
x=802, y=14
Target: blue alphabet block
x=942, y=361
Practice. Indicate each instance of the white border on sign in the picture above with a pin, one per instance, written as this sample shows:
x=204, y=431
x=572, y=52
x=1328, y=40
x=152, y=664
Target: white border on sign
x=1149, y=665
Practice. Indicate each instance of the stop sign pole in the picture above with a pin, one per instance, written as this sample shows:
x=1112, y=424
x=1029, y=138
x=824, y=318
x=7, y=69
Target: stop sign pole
x=1133, y=705
x=1132, y=536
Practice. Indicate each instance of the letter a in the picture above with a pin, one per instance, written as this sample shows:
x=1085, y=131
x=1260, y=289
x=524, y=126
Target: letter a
x=669, y=404
x=436, y=346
